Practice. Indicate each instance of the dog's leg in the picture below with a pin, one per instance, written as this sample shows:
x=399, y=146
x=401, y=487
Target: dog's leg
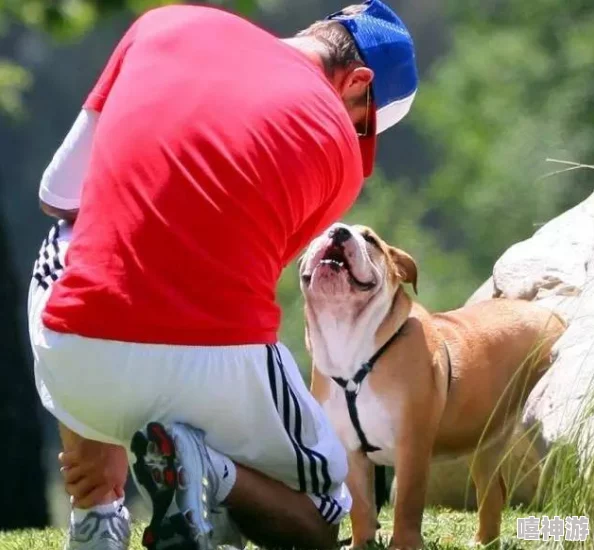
x=413, y=459
x=491, y=492
x=360, y=481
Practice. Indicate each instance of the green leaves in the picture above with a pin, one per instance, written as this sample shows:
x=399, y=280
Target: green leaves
x=14, y=81
x=63, y=20
x=516, y=88
x=68, y=19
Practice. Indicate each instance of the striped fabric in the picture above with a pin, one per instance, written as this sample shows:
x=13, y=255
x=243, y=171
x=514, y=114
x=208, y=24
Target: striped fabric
x=50, y=261
x=312, y=467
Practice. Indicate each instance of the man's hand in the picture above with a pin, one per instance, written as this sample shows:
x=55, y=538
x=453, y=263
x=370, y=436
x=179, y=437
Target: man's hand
x=94, y=473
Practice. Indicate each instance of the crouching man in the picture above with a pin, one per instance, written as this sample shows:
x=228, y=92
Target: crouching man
x=208, y=154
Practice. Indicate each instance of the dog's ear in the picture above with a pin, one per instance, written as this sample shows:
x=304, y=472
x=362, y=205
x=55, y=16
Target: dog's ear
x=406, y=266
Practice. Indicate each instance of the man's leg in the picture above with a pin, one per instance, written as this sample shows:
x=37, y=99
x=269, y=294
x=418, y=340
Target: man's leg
x=94, y=473
x=101, y=516
x=272, y=515
x=266, y=511
x=98, y=470
x=185, y=482
x=281, y=477
x=252, y=407
x=270, y=512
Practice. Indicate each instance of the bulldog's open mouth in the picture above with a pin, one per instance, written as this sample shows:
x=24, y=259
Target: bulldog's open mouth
x=334, y=257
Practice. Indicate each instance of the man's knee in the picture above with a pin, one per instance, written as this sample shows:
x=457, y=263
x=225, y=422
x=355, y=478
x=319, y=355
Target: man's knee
x=328, y=537
x=322, y=536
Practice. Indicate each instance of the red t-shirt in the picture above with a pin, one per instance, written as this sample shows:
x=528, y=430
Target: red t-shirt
x=220, y=152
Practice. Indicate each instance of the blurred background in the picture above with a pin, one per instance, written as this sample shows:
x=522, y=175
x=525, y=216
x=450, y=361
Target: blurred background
x=505, y=85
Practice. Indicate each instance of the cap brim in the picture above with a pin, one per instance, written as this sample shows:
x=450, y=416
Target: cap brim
x=392, y=114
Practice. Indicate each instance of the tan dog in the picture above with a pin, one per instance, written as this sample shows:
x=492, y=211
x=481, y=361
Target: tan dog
x=438, y=386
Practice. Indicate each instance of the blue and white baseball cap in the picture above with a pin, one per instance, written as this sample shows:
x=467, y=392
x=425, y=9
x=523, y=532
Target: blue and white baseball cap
x=387, y=48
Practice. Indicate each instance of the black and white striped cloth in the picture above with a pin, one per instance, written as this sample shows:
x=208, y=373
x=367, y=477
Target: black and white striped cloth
x=50, y=260
x=312, y=466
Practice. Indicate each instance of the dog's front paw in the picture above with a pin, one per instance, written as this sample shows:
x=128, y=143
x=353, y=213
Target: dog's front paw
x=479, y=542
x=369, y=545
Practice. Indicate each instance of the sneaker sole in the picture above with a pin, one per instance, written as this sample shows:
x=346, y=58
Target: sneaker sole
x=163, y=492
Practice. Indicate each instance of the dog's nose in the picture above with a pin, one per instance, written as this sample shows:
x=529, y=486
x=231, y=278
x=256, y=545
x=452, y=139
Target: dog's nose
x=340, y=235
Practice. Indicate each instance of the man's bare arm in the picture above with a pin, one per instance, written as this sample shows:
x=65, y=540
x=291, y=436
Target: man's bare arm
x=52, y=211
x=62, y=181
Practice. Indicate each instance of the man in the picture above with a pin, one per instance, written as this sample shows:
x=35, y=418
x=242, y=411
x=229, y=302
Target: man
x=211, y=153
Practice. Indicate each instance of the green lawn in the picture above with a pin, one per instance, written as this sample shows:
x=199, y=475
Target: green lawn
x=443, y=530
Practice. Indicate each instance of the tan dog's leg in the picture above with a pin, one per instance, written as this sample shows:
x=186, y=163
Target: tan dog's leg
x=413, y=459
x=360, y=481
x=491, y=492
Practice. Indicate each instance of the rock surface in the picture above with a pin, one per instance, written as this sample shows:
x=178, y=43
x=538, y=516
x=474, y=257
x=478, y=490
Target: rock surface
x=555, y=268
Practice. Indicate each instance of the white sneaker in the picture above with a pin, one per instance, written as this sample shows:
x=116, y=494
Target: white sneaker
x=100, y=531
x=173, y=467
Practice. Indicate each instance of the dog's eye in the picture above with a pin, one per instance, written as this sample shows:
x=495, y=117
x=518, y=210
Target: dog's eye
x=371, y=239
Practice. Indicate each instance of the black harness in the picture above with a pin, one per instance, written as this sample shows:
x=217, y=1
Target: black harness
x=353, y=386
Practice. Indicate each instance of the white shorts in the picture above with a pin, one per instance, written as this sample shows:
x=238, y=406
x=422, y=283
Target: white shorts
x=250, y=400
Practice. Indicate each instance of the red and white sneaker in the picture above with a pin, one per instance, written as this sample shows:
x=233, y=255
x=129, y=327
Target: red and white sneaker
x=174, y=469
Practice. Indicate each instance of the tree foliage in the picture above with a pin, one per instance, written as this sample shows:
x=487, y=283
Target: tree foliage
x=516, y=88
x=65, y=20
x=71, y=18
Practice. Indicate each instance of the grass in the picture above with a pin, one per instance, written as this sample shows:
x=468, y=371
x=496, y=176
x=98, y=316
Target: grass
x=443, y=530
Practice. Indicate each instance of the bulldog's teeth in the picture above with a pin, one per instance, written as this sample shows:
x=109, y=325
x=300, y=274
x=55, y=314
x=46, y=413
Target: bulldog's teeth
x=330, y=262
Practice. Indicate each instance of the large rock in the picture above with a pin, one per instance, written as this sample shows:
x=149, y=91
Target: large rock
x=555, y=268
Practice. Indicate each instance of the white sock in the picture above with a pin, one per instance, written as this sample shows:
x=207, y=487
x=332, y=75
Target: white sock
x=78, y=514
x=225, y=471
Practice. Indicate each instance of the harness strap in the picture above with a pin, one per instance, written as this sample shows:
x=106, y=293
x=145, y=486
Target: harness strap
x=351, y=389
x=351, y=399
x=354, y=383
